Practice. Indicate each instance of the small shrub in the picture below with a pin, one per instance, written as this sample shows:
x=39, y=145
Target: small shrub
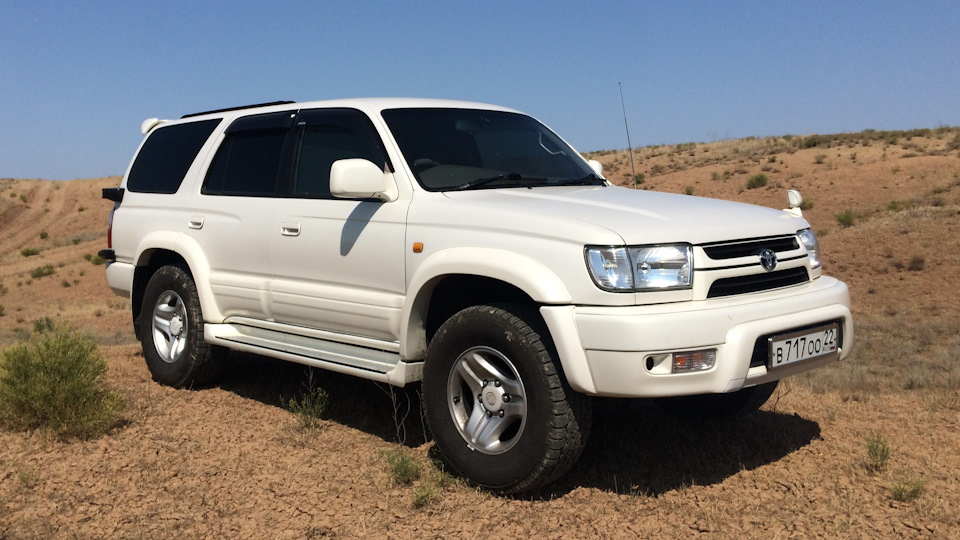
x=757, y=181
x=81, y=208
x=688, y=190
x=3, y=289
x=87, y=256
x=772, y=158
x=64, y=283
x=43, y=235
x=43, y=325
x=41, y=271
x=846, y=218
x=908, y=489
x=819, y=159
x=639, y=178
x=55, y=382
x=878, y=452
x=96, y=260
x=715, y=176
x=75, y=240
x=23, y=198
x=895, y=206
x=29, y=252
x=1, y=310
x=424, y=494
x=312, y=404
x=916, y=263
x=403, y=469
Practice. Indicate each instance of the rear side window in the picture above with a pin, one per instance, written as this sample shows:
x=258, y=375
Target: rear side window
x=249, y=160
x=166, y=155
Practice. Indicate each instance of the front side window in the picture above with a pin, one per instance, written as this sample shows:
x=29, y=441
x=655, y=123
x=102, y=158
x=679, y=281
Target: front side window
x=451, y=149
x=327, y=136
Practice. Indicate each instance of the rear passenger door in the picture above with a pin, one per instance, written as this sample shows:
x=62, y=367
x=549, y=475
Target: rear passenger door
x=234, y=222
x=337, y=263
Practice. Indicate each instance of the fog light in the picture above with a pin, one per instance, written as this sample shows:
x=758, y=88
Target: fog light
x=685, y=362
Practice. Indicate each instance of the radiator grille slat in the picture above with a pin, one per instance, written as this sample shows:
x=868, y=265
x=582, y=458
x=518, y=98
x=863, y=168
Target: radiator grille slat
x=758, y=282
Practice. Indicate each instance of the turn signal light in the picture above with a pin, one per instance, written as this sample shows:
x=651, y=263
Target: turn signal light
x=685, y=362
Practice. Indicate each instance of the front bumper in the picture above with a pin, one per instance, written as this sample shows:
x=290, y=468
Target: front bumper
x=603, y=350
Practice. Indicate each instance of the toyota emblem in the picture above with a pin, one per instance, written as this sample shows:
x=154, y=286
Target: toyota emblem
x=768, y=260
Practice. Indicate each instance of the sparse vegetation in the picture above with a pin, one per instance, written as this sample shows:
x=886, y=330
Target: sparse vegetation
x=43, y=235
x=639, y=178
x=820, y=159
x=758, y=180
x=402, y=468
x=55, y=382
x=846, y=218
x=29, y=252
x=311, y=405
x=42, y=271
x=907, y=489
x=688, y=190
x=93, y=258
x=916, y=263
x=2, y=310
x=878, y=452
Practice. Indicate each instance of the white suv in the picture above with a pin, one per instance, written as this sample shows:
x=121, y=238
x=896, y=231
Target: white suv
x=468, y=247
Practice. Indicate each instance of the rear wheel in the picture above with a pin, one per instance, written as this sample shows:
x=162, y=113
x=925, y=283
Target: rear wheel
x=720, y=406
x=171, y=324
x=499, y=409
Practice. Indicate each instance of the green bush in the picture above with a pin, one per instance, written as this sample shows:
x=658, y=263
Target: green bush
x=688, y=190
x=43, y=235
x=41, y=271
x=757, y=181
x=878, y=452
x=55, y=381
x=846, y=218
x=29, y=252
x=819, y=159
x=403, y=469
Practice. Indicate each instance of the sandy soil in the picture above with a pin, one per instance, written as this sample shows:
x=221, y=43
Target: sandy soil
x=230, y=461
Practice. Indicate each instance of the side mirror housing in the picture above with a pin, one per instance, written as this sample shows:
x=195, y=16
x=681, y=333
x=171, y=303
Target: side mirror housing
x=596, y=166
x=360, y=179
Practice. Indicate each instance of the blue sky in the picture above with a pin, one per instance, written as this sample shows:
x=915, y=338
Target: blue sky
x=77, y=78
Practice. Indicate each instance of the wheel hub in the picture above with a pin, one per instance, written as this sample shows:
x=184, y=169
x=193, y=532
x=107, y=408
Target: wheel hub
x=492, y=398
x=176, y=325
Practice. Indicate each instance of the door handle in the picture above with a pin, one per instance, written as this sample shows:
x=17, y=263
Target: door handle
x=290, y=228
x=195, y=222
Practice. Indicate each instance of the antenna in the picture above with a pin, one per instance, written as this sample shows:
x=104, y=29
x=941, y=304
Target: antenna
x=633, y=170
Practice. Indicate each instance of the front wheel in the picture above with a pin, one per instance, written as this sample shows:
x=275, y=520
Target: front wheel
x=498, y=407
x=171, y=324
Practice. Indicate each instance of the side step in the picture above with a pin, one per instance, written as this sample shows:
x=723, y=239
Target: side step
x=368, y=363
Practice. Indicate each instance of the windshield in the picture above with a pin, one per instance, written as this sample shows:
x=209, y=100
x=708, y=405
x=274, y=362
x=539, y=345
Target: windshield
x=450, y=149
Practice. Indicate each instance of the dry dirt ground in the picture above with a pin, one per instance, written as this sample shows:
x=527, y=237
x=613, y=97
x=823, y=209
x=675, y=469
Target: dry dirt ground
x=230, y=461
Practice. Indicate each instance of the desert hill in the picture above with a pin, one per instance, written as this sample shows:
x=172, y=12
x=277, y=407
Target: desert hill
x=230, y=461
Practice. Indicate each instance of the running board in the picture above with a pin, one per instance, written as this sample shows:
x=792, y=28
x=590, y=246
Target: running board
x=368, y=363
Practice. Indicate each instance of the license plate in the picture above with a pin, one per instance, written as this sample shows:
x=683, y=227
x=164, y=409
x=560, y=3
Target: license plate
x=803, y=345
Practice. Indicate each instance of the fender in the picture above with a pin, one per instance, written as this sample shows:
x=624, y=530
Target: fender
x=527, y=274
x=190, y=251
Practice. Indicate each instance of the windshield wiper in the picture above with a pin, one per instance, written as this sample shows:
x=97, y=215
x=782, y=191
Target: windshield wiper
x=588, y=180
x=513, y=177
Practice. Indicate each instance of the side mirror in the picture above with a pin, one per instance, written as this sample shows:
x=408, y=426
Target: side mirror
x=794, y=200
x=596, y=166
x=360, y=179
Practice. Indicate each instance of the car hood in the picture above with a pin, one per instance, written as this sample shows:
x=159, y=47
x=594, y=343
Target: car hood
x=637, y=217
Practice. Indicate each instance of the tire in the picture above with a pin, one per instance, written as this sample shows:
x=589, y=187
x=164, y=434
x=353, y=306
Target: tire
x=719, y=406
x=496, y=402
x=171, y=324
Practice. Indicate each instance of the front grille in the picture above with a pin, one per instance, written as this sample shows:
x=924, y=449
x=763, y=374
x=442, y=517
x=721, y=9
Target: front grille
x=750, y=247
x=758, y=282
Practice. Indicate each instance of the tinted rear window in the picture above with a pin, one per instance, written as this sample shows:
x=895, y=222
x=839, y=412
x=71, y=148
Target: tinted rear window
x=166, y=155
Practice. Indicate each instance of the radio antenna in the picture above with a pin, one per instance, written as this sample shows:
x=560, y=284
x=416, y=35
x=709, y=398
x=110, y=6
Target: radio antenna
x=633, y=170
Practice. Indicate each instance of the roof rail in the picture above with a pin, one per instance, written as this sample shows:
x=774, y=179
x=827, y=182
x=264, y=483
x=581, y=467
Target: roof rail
x=239, y=108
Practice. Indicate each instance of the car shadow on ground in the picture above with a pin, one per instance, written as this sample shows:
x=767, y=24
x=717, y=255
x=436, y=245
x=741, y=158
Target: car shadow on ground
x=634, y=447
x=351, y=401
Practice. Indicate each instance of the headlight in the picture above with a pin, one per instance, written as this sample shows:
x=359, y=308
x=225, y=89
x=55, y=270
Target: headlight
x=813, y=249
x=642, y=268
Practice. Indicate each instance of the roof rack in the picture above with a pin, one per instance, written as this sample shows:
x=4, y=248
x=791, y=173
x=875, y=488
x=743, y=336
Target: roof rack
x=239, y=108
